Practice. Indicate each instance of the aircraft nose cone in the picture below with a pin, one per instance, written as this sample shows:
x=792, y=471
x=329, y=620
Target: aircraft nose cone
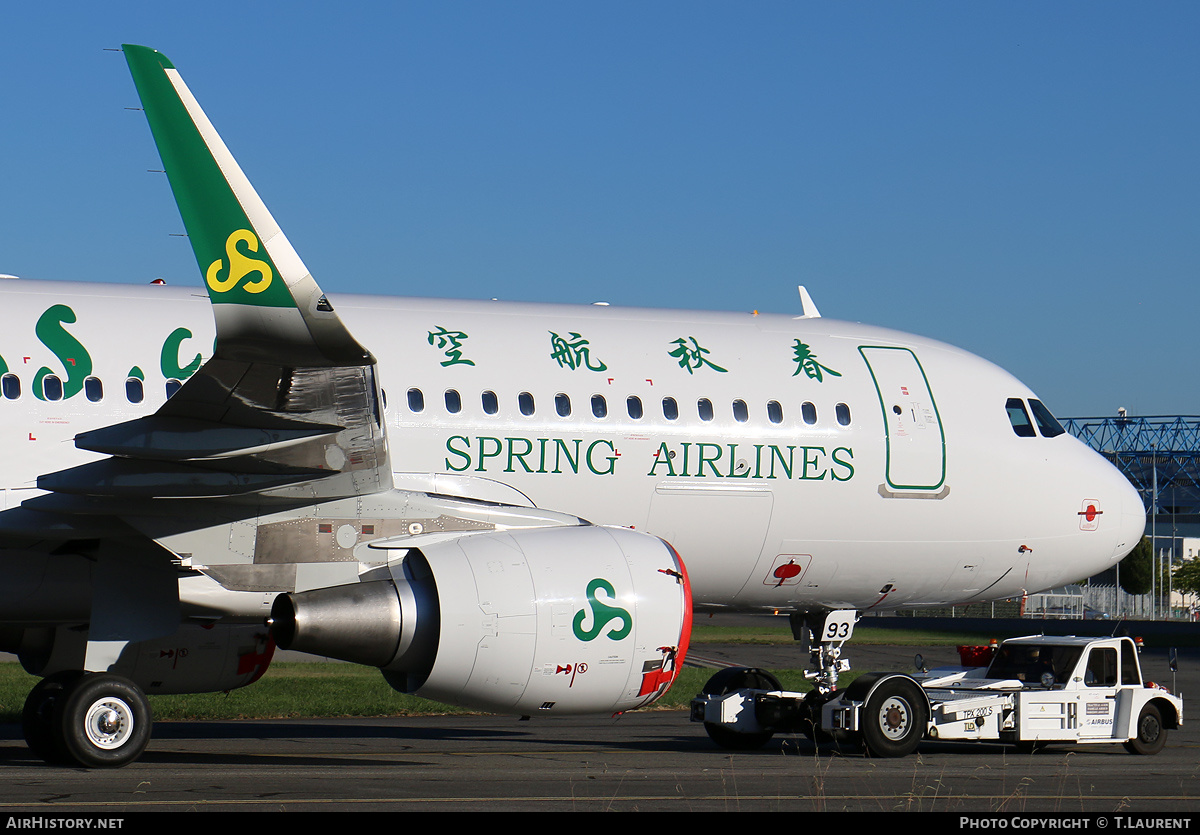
x=1133, y=519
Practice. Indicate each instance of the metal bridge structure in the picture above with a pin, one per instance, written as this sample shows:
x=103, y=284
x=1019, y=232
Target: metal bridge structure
x=1160, y=455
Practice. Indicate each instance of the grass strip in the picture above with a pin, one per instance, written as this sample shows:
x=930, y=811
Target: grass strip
x=323, y=690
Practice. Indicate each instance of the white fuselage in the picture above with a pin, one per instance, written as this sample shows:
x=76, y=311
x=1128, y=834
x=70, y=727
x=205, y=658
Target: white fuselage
x=842, y=465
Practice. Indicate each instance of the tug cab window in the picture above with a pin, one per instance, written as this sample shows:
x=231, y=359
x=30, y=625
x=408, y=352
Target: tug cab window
x=1046, y=424
x=1101, y=668
x=1019, y=418
x=1129, y=664
x=1028, y=663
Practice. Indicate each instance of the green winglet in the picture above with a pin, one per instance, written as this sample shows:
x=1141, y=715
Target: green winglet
x=237, y=269
x=267, y=305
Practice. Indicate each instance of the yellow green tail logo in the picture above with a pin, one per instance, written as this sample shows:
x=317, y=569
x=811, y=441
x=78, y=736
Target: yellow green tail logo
x=240, y=266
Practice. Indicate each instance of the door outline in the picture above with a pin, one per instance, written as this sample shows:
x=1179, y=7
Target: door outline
x=887, y=420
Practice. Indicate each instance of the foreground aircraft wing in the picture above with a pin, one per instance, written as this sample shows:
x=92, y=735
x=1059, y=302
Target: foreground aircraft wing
x=289, y=404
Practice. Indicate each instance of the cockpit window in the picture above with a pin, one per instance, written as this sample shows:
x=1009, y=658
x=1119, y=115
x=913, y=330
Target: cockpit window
x=1046, y=424
x=1019, y=418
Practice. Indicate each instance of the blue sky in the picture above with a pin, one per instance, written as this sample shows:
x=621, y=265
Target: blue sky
x=1019, y=179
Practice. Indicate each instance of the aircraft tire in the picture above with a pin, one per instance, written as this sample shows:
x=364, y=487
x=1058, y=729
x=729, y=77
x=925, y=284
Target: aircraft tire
x=37, y=716
x=894, y=718
x=1151, y=734
x=727, y=681
x=104, y=721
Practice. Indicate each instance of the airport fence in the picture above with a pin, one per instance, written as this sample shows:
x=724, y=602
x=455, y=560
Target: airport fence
x=1091, y=602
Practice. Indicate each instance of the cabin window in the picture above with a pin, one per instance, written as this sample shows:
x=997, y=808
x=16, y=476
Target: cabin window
x=525, y=403
x=134, y=390
x=670, y=408
x=704, y=408
x=634, y=404
x=562, y=405
x=93, y=389
x=1019, y=418
x=1046, y=423
x=173, y=386
x=774, y=411
x=491, y=404
x=416, y=400
x=52, y=387
x=599, y=406
x=808, y=412
x=11, y=385
x=740, y=412
x=453, y=401
x=842, y=412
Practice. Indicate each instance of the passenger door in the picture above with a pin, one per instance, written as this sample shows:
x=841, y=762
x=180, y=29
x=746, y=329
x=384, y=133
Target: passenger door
x=916, y=443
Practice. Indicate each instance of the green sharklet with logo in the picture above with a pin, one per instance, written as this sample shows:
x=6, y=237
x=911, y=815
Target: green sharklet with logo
x=265, y=301
x=236, y=267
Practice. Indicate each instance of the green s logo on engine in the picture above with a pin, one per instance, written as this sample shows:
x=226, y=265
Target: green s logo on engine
x=602, y=614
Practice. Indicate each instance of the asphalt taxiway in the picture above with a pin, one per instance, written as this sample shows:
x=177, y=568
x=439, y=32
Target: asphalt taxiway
x=650, y=761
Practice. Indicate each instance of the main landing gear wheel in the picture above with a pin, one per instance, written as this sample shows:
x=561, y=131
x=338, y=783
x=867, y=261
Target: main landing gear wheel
x=95, y=720
x=1151, y=735
x=894, y=718
x=37, y=717
x=727, y=681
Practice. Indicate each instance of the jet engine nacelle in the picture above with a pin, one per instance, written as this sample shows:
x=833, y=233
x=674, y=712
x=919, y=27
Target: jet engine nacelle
x=549, y=620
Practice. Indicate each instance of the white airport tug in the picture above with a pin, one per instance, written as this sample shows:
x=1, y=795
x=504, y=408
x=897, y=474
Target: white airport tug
x=1031, y=691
